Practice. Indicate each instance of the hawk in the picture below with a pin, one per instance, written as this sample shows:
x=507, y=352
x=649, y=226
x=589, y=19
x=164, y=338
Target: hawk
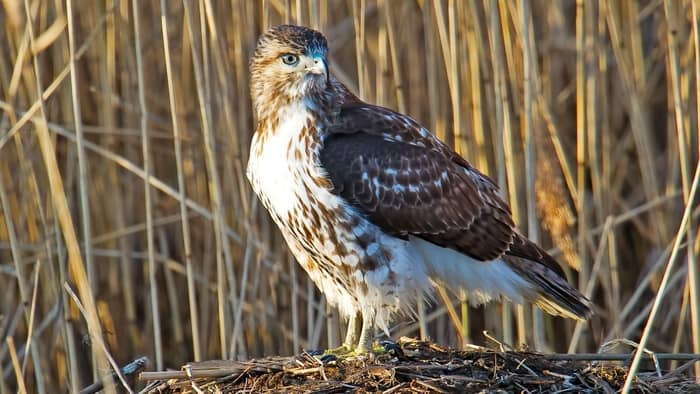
x=374, y=207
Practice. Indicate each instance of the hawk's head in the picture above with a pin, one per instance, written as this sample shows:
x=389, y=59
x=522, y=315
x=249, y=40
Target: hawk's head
x=289, y=63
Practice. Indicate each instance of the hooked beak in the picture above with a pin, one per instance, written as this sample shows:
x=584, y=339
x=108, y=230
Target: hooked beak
x=320, y=66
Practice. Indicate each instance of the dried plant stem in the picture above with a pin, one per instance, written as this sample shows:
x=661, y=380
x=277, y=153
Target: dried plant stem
x=684, y=150
x=75, y=261
x=295, y=304
x=106, y=379
x=138, y=171
x=30, y=329
x=694, y=272
x=637, y=110
x=155, y=307
x=529, y=150
x=22, y=387
x=592, y=280
x=664, y=282
x=185, y=224
x=247, y=258
x=456, y=321
x=22, y=283
x=223, y=252
x=358, y=7
x=474, y=38
x=506, y=150
x=53, y=86
x=82, y=160
x=393, y=51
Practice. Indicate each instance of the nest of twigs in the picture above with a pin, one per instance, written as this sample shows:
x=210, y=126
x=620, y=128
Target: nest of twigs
x=412, y=366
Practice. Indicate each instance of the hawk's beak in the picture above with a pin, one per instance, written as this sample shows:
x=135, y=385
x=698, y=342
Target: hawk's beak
x=319, y=66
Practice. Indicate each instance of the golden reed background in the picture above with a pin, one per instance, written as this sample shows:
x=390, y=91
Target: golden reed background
x=124, y=134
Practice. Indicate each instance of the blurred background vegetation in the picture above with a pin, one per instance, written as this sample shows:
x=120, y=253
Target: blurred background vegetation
x=127, y=226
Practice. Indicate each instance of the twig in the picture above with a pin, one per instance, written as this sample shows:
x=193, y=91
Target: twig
x=98, y=340
x=619, y=356
x=664, y=282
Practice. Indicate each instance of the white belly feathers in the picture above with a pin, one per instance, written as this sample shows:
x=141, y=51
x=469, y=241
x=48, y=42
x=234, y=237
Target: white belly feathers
x=272, y=172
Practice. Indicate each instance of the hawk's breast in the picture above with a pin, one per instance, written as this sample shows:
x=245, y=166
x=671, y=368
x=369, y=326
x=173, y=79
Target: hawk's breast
x=285, y=172
x=273, y=166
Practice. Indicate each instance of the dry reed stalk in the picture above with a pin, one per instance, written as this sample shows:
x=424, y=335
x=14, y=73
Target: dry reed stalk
x=694, y=280
x=392, y=36
x=592, y=281
x=237, y=317
x=632, y=73
x=664, y=282
x=106, y=380
x=22, y=279
x=223, y=252
x=673, y=31
x=504, y=147
x=145, y=144
x=358, y=8
x=82, y=165
x=185, y=224
x=31, y=329
x=581, y=133
x=21, y=386
x=60, y=203
x=431, y=51
x=443, y=132
x=473, y=38
x=528, y=124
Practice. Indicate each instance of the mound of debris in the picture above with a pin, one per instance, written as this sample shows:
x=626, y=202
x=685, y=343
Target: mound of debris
x=412, y=366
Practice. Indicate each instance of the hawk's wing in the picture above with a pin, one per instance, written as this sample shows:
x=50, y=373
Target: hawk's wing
x=409, y=183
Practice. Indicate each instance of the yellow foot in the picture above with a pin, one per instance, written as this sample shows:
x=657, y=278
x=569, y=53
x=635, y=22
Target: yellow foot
x=347, y=352
x=378, y=348
x=338, y=353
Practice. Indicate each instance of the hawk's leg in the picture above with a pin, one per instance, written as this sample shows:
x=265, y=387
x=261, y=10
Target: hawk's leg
x=364, y=344
x=347, y=349
x=358, y=340
x=353, y=332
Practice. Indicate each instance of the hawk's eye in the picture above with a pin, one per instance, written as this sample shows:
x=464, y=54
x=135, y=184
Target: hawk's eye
x=290, y=59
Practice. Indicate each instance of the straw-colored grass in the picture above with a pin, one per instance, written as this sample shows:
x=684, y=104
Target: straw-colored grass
x=124, y=136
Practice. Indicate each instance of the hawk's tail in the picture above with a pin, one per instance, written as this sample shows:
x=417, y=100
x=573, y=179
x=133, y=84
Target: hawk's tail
x=524, y=273
x=551, y=292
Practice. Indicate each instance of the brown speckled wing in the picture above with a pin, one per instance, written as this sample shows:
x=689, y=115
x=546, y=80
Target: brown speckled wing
x=409, y=183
